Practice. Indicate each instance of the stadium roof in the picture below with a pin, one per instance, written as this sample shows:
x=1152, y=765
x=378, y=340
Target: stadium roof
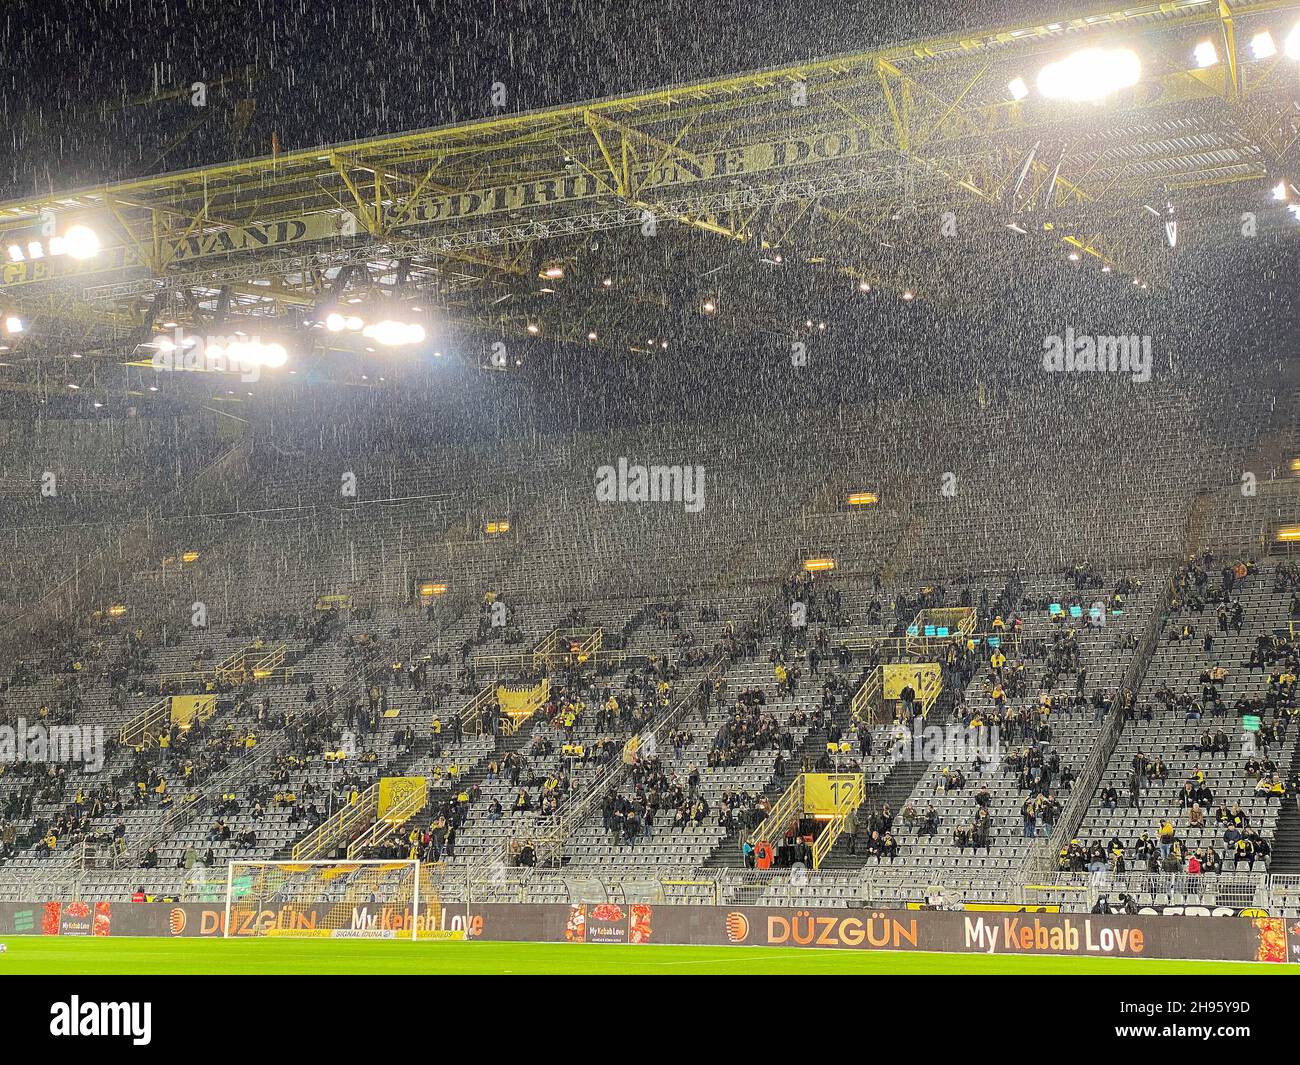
x=874, y=169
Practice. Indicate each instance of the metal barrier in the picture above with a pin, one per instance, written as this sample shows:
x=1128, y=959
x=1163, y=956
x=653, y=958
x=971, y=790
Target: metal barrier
x=147, y=725
x=849, y=789
x=342, y=827
x=255, y=662
x=473, y=715
x=788, y=808
x=391, y=821
x=1236, y=894
x=1243, y=894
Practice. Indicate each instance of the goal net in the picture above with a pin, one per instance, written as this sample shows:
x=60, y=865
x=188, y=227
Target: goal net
x=344, y=900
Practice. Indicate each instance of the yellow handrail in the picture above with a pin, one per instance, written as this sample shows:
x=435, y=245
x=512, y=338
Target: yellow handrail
x=787, y=808
x=406, y=808
x=338, y=826
x=473, y=712
x=846, y=801
x=147, y=725
x=867, y=697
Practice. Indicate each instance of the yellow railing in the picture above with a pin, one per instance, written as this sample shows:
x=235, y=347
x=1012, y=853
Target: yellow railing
x=885, y=682
x=867, y=698
x=951, y=621
x=789, y=807
x=849, y=789
x=254, y=662
x=474, y=714
x=546, y=647
x=263, y=667
x=896, y=648
x=591, y=644
x=344, y=825
x=401, y=812
x=846, y=792
x=147, y=725
x=927, y=693
x=524, y=661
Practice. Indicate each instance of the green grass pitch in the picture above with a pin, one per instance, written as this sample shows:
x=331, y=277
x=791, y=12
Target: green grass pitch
x=57, y=955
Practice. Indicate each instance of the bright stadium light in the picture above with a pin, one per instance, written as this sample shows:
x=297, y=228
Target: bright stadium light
x=81, y=242
x=1205, y=54
x=249, y=353
x=1262, y=46
x=1018, y=89
x=1090, y=75
x=1291, y=46
x=394, y=334
x=336, y=322
x=14, y=324
x=274, y=356
x=1280, y=191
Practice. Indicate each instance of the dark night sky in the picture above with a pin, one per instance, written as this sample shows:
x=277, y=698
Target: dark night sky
x=336, y=71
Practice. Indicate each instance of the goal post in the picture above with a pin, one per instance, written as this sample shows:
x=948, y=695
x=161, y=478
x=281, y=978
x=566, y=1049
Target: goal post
x=363, y=899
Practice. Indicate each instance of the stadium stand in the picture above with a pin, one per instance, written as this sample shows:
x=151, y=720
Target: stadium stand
x=653, y=758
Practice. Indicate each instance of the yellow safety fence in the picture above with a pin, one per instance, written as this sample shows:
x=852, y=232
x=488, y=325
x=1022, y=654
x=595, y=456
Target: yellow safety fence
x=146, y=726
x=400, y=799
x=885, y=684
x=474, y=714
x=832, y=796
x=343, y=826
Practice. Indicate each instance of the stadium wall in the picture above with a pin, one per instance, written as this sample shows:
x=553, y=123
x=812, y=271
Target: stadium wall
x=1247, y=939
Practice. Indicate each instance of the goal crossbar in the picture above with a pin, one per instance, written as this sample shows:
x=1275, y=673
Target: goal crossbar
x=354, y=899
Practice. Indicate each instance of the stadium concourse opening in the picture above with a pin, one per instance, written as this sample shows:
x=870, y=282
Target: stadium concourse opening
x=829, y=505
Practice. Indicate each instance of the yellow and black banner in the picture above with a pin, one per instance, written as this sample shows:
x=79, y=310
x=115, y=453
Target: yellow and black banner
x=188, y=709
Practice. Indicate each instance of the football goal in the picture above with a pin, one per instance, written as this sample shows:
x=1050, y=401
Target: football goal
x=371, y=899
